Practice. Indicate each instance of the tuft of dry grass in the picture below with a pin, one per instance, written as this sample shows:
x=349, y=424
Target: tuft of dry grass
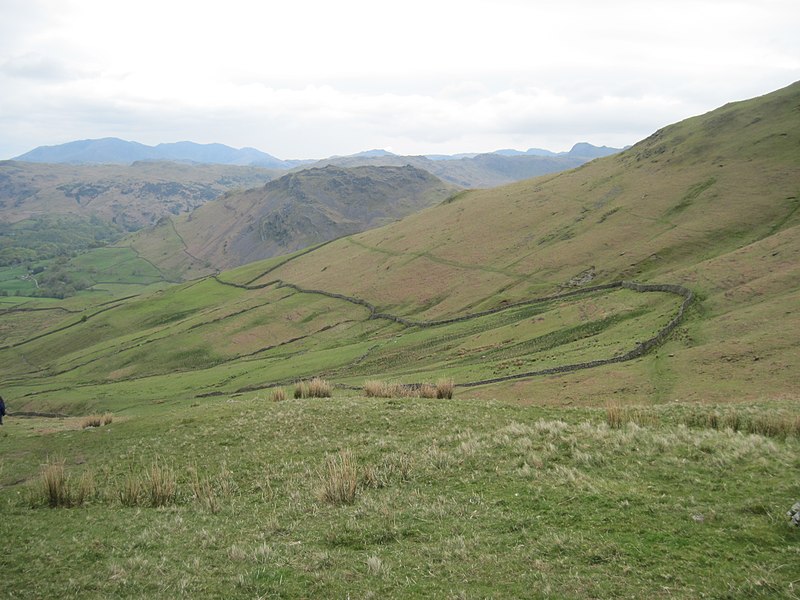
x=385, y=389
x=57, y=490
x=382, y=389
x=131, y=491
x=444, y=388
x=278, y=395
x=618, y=416
x=769, y=425
x=316, y=388
x=375, y=389
x=428, y=390
x=203, y=492
x=91, y=421
x=55, y=484
x=320, y=388
x=161, y=485
x=96, y=420
x=86, y=489
x=339, y=479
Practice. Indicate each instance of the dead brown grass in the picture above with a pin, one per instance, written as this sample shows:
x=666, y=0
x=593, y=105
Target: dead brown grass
x=161, y=485
x=96, y=420
x=618, y=416
x=339, y=479
x=316, y=388
x=278, y=395
x=383, y=389
x=55, y=484
x=776, y=424
x=444, y=388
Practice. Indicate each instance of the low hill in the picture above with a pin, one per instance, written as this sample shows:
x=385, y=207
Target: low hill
x=130, y=196
x=293, y=212
x=121, y=152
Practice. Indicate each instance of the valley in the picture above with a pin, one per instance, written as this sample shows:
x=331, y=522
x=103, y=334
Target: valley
x=621, y=338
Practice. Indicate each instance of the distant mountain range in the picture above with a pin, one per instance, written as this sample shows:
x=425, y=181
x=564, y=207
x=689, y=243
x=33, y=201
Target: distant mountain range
x=470, y=171
x=121, y=152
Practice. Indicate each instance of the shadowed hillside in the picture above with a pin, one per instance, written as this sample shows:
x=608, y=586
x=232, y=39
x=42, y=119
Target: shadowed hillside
x=296, y=211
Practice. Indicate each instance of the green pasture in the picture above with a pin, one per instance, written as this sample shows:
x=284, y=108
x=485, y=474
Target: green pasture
x=457, y=498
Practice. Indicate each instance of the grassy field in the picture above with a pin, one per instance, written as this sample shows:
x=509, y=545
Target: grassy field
x=452, y=499
x=664, y=476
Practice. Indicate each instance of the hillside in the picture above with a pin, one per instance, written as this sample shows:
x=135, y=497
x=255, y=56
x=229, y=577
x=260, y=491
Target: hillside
x=130, y=196
x=623, y=340
x=293, y=212
x=709, y=203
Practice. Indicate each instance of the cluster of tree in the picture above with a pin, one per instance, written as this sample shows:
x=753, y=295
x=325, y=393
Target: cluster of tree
x=43, y=245
x=49, y=236
x=58, y=281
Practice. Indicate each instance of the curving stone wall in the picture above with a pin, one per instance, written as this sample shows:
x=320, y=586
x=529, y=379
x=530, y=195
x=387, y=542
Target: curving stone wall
x=640, y=349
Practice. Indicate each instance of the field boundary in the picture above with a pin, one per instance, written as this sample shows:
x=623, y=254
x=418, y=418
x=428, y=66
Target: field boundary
x=637, y=351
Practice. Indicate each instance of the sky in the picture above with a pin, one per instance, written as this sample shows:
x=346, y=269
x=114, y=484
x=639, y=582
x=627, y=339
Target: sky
x=316, y=78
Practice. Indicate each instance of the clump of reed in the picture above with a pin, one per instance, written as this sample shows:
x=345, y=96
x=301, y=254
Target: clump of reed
x=618, y=416
x=773, y=424
x=96, y=420
x=444, y=388
x=339, y=479
x=57, y=489
x=382, y=389
x=316, y=388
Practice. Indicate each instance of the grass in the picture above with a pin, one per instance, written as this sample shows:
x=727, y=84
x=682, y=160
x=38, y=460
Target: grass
x=416, y=498
x=339, y=479
x=96, y=420
x=316, y=388
x=56, y=489
x=444, y=388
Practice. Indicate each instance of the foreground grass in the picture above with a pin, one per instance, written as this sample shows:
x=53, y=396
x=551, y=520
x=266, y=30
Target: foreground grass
x=454, y=498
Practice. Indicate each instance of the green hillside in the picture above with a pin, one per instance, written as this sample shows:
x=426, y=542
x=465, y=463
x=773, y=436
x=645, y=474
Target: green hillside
x=670, y=271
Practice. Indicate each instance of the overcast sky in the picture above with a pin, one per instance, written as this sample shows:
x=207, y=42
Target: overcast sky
x=313, y=78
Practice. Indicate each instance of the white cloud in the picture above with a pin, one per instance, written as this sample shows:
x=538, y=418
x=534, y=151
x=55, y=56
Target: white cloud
x=317, y=78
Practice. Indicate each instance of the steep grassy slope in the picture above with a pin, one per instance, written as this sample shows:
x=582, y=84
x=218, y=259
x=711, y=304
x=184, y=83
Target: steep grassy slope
x=293, y=212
